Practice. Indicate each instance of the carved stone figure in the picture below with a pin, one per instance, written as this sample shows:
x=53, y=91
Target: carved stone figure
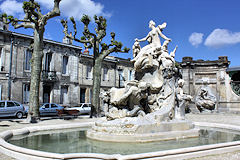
x=181, y=101
x=127, y=99
x=154, y=86
x=144, y=59
x=205, y=99
x=151, y=104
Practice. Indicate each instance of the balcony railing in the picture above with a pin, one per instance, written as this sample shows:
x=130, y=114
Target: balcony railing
x=50, y=76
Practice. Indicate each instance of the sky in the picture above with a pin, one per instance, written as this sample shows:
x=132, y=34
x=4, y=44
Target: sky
x=202, y=29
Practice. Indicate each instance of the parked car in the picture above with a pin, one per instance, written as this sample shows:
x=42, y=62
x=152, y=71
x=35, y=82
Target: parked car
x=50, y=109
x=11, y=109
x=84, y=108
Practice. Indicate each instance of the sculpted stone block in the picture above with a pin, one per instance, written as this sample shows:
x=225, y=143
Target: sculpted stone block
x=153, y=102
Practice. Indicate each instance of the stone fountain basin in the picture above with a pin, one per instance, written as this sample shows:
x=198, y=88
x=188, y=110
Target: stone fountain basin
x=183, y=153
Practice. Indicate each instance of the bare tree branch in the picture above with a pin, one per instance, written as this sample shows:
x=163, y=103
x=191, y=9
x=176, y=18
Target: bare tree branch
x=25, y=25
x=70, y=36
x=53, y=13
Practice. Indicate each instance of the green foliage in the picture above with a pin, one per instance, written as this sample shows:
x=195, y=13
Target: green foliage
x=31, y=5
x=4, y=15
x=83, y=38
x=63, y=21
x=126, y=49
x=72, y=20
x=10, y=18
x=117, y=44
x=104, y=46
x=112, y=35
x=85, y=19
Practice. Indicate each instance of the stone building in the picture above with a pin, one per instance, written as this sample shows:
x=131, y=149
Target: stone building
x=59, y=81
x=216, y=74
x=114, y=72
x=66, y=76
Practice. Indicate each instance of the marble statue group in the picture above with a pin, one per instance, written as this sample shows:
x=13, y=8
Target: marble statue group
x=157, y=85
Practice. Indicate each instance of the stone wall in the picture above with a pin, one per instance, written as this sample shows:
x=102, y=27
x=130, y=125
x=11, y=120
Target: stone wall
x=195, y=72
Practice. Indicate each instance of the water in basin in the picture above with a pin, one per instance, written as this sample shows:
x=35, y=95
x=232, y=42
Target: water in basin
x=76, y=142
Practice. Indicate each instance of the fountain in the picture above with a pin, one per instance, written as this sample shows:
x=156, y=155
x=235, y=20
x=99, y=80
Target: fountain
x=152, y=106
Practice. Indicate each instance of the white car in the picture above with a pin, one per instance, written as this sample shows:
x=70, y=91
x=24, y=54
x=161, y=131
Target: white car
x=84, y=108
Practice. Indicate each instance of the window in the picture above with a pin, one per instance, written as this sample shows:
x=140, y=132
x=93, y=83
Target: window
x=2, y=104
x=121, y=78
x=105, y=74
x=28, y=57
x=89, y=72
x=48, y=60
x=2, y=57
x=65, y=65
x=64, y=95
x=0, y=92
x=54, y=106
x=130, y=75
x=10, y=104
x=17, y=104
x=26, y=91
x=46, y=105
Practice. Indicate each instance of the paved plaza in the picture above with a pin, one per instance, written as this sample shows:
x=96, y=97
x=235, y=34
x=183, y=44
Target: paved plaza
x=233, y=119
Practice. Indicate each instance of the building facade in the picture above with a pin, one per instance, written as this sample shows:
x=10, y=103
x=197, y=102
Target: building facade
x=115, y=71
x=66, y=76
x=59, y=78
x=216, y=74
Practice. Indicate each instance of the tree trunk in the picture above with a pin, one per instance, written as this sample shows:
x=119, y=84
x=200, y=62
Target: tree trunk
x=36, y=68
x=97, y=67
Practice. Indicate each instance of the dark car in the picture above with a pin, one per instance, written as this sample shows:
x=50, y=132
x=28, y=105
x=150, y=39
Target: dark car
x=50, y=109
x=11, y=109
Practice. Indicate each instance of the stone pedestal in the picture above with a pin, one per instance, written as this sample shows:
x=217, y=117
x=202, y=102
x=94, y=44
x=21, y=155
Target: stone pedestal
x=139, y=129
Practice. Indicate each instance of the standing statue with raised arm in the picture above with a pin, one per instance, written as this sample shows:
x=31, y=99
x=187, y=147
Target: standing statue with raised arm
x=144, y=58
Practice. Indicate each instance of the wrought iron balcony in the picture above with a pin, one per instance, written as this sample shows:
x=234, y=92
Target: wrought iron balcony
x=49, y=76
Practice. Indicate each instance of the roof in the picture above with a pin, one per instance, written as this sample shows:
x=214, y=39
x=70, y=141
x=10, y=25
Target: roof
x=232, y=69
x=45, y=40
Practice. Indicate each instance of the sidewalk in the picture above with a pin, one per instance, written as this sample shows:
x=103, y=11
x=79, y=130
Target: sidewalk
x=233, y=119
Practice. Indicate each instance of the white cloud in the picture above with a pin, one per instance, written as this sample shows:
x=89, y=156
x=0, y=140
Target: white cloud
x=77, y=8
x=222, y=37
x=11, y=7
x=195, y=39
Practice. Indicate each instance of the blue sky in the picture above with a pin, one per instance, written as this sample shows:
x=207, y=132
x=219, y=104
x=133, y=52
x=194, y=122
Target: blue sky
x=203, y=29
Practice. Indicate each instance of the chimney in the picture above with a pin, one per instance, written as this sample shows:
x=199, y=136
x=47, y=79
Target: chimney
x=187, y=59
x=67, y=40
x=86, y=51
x=3, y=25
x=223, y=58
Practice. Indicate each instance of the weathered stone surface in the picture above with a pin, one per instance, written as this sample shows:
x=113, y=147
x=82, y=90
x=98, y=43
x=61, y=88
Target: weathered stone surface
x=205, y=99
x=153, y=104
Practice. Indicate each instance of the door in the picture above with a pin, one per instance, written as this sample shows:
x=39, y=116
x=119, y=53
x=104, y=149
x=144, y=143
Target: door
x=85, y=108
x=11, y=108
x=82, y=95
x=54, y=108
x=46, y=93
x=64, y=95
x=45, y=110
